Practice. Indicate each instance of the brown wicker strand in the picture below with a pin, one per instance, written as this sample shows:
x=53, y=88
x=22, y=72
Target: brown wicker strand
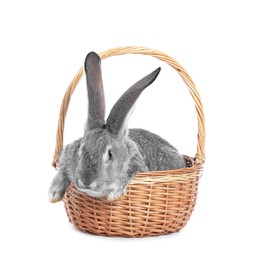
x=62, y=116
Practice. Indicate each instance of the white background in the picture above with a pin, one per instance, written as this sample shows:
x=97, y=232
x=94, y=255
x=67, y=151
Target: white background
x=42, y=46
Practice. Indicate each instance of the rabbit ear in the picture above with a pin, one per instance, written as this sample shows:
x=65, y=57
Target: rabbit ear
x=118, y=118
x=96, y=99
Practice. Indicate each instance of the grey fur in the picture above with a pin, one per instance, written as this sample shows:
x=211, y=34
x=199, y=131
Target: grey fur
x=119, y=112
x=96, y=107
x=104, y=161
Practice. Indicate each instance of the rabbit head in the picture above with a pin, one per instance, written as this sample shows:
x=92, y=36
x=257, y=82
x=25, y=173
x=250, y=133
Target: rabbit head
x=105, y=151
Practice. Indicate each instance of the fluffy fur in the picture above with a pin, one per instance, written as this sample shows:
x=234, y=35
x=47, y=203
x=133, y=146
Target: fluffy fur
x=108, y=156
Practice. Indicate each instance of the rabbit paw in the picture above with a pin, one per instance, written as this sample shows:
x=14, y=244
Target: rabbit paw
x=117, y=195
x=55, y=195
x=58, y=188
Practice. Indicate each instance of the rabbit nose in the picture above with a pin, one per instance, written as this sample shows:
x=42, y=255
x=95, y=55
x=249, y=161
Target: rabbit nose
x=82, y=185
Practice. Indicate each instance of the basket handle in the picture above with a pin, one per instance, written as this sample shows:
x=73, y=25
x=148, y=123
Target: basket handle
x=199, y=157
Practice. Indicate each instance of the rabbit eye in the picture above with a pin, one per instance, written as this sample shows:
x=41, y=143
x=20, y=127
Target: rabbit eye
x=79, y=153
x=109, y=155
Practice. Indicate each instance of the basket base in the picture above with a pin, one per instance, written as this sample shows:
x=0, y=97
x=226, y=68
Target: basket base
x=90, y=219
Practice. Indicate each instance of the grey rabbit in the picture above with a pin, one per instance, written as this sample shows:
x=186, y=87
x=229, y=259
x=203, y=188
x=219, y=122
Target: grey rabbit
x=104, y=161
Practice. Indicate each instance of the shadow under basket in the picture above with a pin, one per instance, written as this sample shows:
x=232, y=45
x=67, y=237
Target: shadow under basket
x=156, y=203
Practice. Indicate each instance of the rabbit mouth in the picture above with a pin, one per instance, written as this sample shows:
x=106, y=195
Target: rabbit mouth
x=108, y=194
x=109, y=190
x=90, y=192
x=86, y=189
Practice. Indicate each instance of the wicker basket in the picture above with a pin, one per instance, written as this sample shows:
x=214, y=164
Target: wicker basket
x=156, y=203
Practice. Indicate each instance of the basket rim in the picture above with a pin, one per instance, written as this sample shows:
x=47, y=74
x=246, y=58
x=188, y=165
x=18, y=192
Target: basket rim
x=200, y=155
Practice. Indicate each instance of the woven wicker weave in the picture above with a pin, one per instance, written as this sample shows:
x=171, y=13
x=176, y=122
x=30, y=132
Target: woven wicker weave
x=156, y=203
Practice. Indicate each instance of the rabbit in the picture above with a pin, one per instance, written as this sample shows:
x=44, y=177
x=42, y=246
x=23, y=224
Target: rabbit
x=104, y=161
